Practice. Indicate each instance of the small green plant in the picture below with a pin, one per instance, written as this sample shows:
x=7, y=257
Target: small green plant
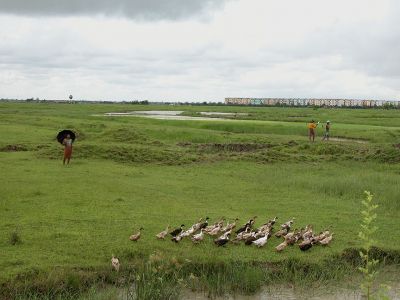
x=15, y=238
x=368, y=230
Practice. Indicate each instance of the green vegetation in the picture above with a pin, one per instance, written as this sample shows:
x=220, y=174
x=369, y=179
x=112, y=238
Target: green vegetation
x=367, y=233
x=128, y=172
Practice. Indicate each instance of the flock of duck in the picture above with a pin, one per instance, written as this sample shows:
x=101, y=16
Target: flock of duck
x=247, y=233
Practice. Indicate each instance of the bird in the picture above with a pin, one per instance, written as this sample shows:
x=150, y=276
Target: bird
x=261, y=241
x=272, y=222
x=229, y=226
x=215, y=230
x=115, y=263
x=322, y=235
x=136, y=236
x=249, y=223
x=186, y=233
x=288, y=223
x=243, y=235
x=292, y=237
x=285, y=228
x=222, y=241
x=198, y=237
x=177, y=238
x=282, y=232
x=307, y=244
x=204, y=224
x=308, y=232
x=163, y=234
x=281, y=246
x=197, y=225
x=224, y=235
x=249, y=240
x=326, y=240
x=177, y=230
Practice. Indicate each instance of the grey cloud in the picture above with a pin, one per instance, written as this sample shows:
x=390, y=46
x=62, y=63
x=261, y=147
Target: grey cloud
x=136, y=9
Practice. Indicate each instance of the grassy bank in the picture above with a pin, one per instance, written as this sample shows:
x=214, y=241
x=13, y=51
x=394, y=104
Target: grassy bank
x=160, y=277
x=132, y=172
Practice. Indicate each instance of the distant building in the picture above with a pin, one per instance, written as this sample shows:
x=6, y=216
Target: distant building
x=312, y=102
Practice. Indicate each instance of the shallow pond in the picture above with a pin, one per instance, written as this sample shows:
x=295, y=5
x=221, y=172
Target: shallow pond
x=169, y=115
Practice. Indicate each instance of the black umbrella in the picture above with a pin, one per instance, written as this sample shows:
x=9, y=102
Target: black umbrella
x=63, y=134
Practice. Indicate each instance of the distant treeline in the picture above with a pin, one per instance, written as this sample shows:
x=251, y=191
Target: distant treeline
x=133, y=102
x=374, y=104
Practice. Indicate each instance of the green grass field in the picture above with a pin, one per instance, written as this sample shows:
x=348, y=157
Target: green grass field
x=128, y=172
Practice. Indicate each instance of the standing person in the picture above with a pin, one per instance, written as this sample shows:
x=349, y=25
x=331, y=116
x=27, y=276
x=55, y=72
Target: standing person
x=67, y=142
x=327, y=128
x=311, y=130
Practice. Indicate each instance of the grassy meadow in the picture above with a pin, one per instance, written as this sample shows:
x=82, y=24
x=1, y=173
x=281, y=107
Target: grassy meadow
x=128, y=172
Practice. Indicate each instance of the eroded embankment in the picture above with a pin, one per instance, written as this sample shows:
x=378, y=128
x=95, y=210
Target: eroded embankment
x=162, y=277
x=158, y=152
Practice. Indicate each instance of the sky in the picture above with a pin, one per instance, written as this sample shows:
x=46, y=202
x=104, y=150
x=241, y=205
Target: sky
x=199, y=50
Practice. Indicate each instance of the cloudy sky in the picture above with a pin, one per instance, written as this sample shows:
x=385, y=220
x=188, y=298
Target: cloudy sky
x=199, y=50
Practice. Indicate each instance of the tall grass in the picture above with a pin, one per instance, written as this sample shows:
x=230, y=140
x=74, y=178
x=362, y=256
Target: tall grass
x=133, y=172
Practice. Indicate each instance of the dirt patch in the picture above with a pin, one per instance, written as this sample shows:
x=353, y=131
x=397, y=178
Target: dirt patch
x=342, y=139
x=13, y=148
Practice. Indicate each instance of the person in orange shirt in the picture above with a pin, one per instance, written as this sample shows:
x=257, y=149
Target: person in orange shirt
x=311, y=130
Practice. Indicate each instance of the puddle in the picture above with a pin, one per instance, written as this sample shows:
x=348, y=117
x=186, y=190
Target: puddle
x=215, y=113
x=288, y=293
x=267, y=293
x=160, y=115
x=348, y=140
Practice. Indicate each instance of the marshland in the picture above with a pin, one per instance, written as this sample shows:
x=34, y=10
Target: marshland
x=60, y=225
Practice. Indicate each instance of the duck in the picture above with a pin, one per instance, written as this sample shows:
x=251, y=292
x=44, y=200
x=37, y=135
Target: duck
x=326, y=240
x=198, y=237
x=249, y=240
x=292, y=237
x=322, y=235
x=136, y=236
x=272, y=222
x=197, y=225
x=188, y=232
x=281, y=246
x=229, y=226
x=261, y=241
x=219, y=224
x=249, y=223
x=282, y=232
x=222, y=241
x=115, y=263
x=308, y=232
x=177, y=238
x=177, y=230
x=285, y=228
x=204, y=224
x=215, y=230
x=243, y=235
x=307, y=244
x=163, y=234
x=288, y=223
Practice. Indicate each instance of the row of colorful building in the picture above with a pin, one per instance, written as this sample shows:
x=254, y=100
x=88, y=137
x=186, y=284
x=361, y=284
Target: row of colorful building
x=312, y=102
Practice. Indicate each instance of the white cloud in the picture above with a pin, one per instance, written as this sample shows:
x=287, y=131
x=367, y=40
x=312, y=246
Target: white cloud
x=259, y=48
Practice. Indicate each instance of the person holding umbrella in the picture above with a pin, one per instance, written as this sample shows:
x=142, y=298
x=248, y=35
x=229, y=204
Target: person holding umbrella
x=66, y=138
x=67, y=142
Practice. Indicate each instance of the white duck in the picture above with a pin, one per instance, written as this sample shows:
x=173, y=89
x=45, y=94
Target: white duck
x=115, y=263
x=197, y=238
x=163, y=234
x=261, y=241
